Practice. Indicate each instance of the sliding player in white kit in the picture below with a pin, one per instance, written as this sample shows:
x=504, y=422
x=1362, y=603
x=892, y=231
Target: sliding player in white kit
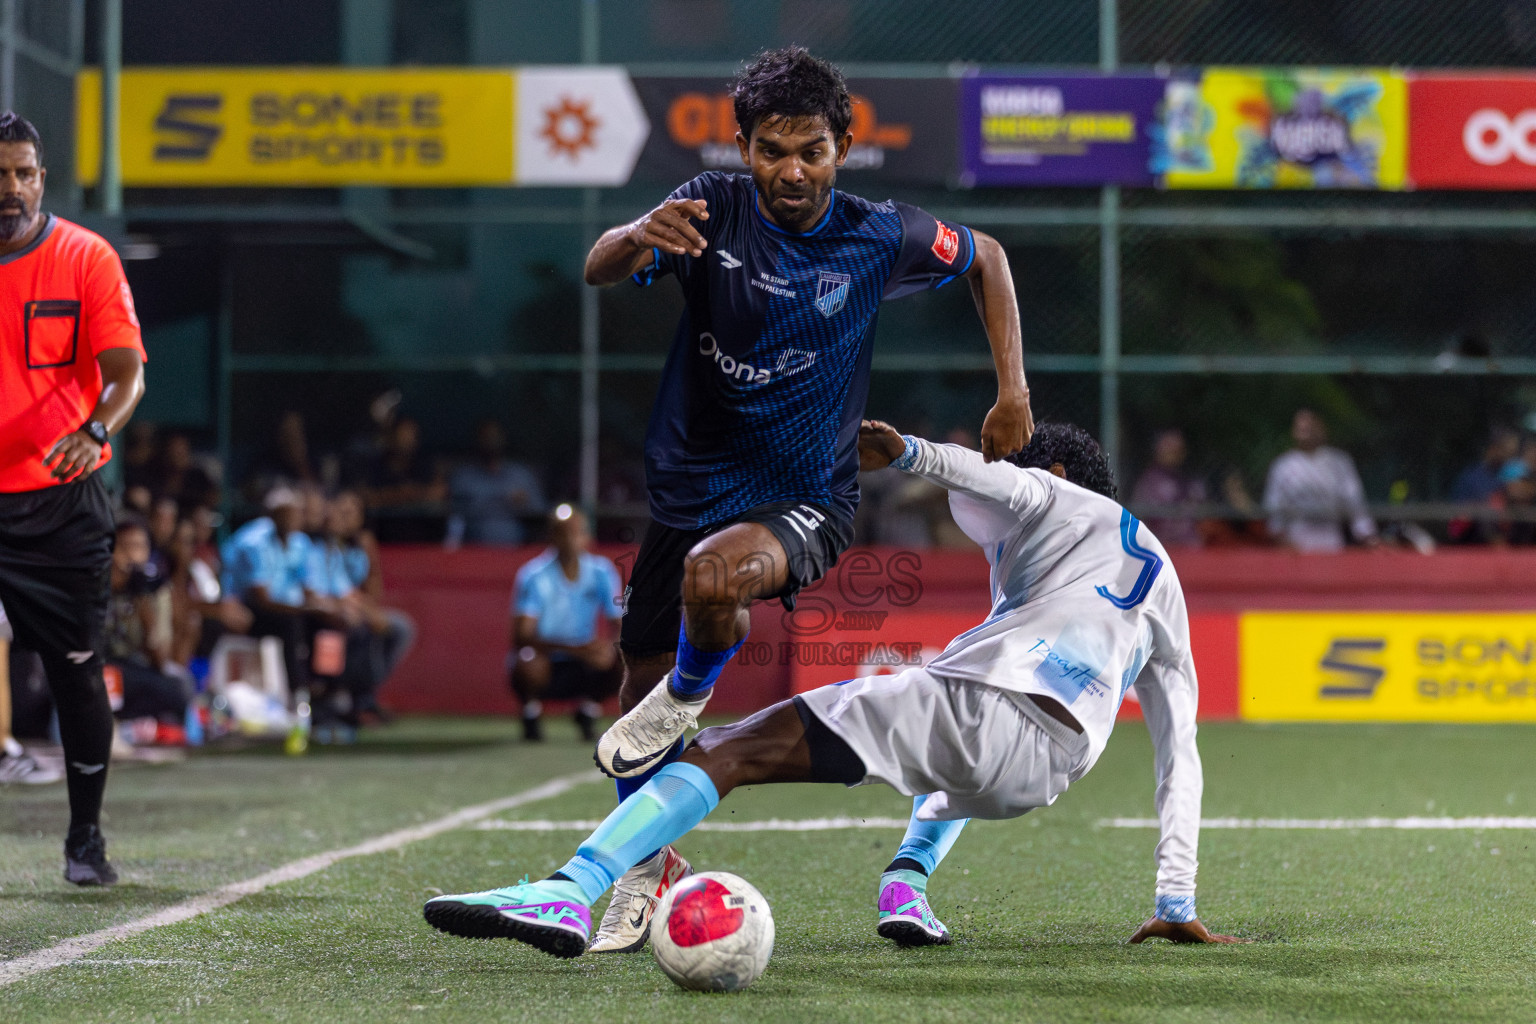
x=1084, y=606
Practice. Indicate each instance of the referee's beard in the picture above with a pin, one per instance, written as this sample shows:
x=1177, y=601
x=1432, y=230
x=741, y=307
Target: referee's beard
x=15, y=218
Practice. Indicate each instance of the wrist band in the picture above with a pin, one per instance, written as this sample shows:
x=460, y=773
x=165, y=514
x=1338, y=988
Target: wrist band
x=1176, y=909
x=908, y=455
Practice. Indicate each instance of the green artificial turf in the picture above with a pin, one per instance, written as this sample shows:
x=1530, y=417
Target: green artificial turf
x=1358, y=925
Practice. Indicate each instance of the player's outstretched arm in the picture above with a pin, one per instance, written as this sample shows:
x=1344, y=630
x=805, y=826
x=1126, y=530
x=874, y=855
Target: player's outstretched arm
x=1176, y=931
x=1010, y=424
x=627, y=249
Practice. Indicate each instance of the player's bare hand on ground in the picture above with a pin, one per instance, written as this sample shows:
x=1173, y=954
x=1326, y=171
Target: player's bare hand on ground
x=1008, y=427
x=667, y=228
x=1189, y=931
x=73, y=457
x=879, y=445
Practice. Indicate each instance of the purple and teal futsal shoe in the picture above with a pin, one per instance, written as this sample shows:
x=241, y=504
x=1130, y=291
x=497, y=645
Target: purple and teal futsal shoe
x=905, y=916
x=546, y=915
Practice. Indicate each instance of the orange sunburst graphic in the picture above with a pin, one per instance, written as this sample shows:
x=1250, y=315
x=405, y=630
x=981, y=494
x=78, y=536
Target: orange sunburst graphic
x=570, y=127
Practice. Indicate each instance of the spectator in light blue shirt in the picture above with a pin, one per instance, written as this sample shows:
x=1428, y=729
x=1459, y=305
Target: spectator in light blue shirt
x=343, y=567
x=266, y=565
x=491, y=496
x=564, y=605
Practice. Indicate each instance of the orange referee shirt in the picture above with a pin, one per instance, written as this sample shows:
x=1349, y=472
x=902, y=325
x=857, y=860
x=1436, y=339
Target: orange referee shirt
x=63, y=299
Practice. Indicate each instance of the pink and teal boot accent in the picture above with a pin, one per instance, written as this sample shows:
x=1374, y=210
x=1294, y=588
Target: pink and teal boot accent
x=549, y=915
x=905, y=916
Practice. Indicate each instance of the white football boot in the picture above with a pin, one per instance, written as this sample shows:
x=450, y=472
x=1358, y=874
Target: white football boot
x=641, y=738
x=627, y=922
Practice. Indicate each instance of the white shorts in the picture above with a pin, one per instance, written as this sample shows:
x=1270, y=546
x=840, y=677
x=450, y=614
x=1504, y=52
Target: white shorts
x=977, y=751
x=5, y=625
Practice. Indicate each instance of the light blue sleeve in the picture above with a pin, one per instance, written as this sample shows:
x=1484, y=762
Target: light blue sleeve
x=240, y=570
x=525, y=595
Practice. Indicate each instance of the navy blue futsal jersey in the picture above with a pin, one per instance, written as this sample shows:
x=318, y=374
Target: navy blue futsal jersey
x=763, y=390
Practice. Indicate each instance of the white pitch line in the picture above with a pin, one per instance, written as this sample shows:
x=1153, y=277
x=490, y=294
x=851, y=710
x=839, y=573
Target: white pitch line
x=1336, y=823
x=73, y=949
x=770, y=825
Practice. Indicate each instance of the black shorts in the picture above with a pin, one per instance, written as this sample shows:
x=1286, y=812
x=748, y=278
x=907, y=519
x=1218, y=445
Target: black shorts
x=55, y=557
x=813, y=537
x=574, y=679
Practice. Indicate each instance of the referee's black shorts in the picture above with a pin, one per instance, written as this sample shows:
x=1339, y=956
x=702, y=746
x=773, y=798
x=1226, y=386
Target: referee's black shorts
x=55, y=561
x=813, y=537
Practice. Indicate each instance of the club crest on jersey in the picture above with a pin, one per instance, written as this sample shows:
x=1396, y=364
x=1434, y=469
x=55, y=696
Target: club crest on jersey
x=946, y=244
x=831, y=292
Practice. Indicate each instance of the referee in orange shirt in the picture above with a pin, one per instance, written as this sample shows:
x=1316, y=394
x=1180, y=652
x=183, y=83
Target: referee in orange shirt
x=71, y=372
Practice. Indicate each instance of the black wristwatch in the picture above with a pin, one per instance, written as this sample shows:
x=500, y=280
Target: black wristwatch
x=96, y=430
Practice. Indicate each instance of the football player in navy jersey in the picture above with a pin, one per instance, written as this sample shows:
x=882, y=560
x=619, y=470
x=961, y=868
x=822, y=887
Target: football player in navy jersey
x=752, y=449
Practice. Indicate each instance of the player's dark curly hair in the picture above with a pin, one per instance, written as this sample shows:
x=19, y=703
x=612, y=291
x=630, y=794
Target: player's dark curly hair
x=15, y=128
x=791, y=83
x=1076, y=450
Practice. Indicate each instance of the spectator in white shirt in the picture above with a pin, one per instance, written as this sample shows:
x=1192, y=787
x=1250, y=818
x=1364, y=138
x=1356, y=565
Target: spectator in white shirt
x=1313, y=490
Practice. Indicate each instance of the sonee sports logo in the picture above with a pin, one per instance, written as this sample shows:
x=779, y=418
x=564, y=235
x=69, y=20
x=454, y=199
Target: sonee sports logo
x=1491, y=137
x=1350, y=675
x=193, y=126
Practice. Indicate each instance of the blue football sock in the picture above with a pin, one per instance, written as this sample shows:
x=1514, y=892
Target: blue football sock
x=928, y=842
x=678, y=798
x=697, y=670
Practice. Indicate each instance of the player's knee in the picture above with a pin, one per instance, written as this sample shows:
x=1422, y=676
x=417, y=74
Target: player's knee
x=75, y=682
x=709, y=582
x=732, y=756
x=530, y=671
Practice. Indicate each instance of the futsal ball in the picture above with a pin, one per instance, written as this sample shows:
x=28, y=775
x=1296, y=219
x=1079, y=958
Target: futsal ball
x=713, y=932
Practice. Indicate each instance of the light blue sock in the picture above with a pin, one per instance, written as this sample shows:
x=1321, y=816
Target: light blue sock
x=697, y=670
x=678, y=798
x=928, y=842
x=629, y=787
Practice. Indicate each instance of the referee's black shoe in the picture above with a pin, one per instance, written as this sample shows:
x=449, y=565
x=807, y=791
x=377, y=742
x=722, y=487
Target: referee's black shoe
x=85, y=858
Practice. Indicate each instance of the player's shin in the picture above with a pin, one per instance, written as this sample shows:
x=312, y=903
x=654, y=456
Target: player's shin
x=926, y=843
x=696, y=671
x=679, y=797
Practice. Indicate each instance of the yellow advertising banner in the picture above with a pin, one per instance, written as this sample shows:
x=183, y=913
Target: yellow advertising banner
x=1287, y=128
x=304, y=126
x=1388, y=667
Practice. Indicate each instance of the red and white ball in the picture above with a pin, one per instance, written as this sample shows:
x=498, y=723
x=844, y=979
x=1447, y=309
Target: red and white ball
x=713, y=932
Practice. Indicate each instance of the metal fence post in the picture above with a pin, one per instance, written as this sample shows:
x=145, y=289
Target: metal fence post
x=111, y=178
x=590, y=311
x=1109, y=268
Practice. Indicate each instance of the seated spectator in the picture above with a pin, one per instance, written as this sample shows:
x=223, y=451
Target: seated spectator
x=345, y=568
x=265, y=567
x=402, y=476
x=1481, y=480
x=163, y=516
x=1517, y=498
x=316, y=511
x=201, y=611
x=139, y=632
x=1484, y=483
x=491, y=495
x=285, y=461
x=405, y=484
x=1313, y=490
x=179, y=475
x=1165, y=483
x=564, y=603
x=1522, y=464
x=139, y=451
